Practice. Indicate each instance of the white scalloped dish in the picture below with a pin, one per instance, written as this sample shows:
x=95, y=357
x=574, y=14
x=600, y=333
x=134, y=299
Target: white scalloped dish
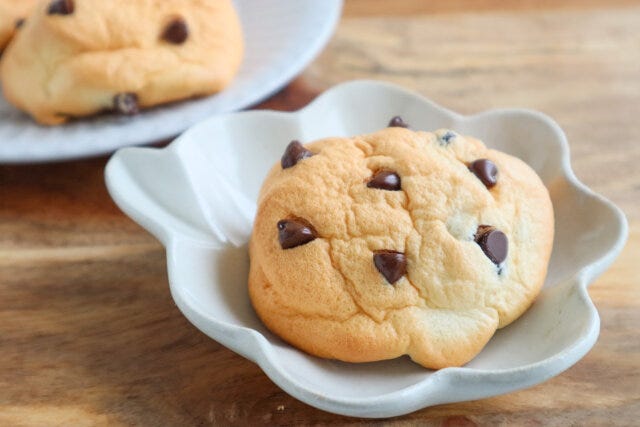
x=197, y=196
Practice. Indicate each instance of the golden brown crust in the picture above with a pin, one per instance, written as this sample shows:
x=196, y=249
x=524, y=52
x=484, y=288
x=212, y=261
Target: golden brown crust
x=62, y=66
x=11, y=11
x=327, y=297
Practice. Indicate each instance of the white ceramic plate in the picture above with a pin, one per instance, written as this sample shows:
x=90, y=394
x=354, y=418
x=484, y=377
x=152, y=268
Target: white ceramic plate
x=281, y=36
x=197, y=196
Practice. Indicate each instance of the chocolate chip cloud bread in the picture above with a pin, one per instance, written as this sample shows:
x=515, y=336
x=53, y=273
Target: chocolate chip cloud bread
x=398, y=242
x=12, y=15
x=75, y=58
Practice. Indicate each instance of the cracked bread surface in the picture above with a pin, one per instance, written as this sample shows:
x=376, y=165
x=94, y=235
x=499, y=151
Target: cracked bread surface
x=76, y=62
x=328, y=298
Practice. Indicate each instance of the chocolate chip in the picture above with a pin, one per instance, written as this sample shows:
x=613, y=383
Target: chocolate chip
x=61, y=7
x=385, y=180
x=19, y=23
x=445, y=139
x=391, y=264
x=293, y=154
x=493, y=242
x=397, y=122
x=176, y=32
x=126, y=103
x=486, y=171
x=295, y=232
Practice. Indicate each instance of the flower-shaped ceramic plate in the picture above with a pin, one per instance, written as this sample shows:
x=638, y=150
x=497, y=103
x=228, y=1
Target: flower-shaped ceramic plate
x=281, y=38
x=197, y=196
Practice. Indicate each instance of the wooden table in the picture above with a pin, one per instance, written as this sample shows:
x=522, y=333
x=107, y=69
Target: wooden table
x=89, y=334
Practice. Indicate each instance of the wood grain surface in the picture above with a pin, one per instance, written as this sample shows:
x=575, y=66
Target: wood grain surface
x=89, y=334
